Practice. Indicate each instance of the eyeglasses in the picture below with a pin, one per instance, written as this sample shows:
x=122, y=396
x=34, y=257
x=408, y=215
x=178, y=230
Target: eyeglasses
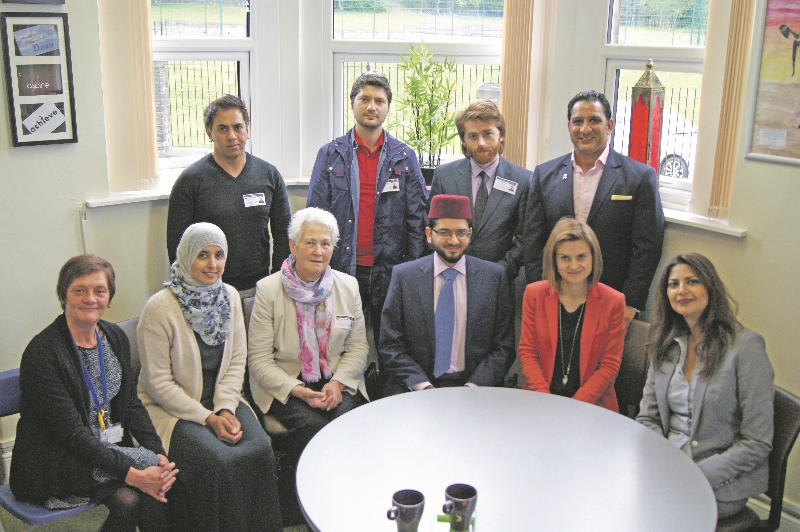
x=461, y=234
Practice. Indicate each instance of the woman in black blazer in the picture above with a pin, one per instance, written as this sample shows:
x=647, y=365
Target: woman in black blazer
x=79, y=411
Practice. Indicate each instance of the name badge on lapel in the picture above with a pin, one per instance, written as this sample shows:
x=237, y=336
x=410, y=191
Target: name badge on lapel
x=344, y=322
x=617, y=197
x=505, y=185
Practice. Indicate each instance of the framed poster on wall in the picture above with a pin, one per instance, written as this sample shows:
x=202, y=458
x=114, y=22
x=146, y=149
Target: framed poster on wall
x=774, y=134
x=41, y=99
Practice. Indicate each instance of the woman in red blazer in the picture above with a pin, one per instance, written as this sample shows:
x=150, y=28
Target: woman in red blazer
x=573, y=327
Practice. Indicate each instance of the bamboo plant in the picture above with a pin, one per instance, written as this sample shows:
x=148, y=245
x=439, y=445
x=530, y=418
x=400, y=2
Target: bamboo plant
x=427, y=104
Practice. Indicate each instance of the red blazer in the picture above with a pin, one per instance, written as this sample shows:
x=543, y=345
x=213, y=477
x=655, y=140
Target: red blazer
x=602, y=338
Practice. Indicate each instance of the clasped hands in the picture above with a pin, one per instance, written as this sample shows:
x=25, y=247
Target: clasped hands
x=155, y=481
x=226, y=426
x=326, y=399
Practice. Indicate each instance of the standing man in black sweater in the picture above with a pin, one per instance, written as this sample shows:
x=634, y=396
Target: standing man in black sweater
x=241, y=194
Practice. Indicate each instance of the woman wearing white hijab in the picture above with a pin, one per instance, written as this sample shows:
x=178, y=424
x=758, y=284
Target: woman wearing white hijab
x=193, y=350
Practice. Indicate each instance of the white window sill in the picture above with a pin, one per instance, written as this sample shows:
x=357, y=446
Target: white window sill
x=121, y=198
x=702, y=222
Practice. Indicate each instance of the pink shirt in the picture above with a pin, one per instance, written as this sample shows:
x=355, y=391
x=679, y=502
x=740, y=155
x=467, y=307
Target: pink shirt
x=490, y=170
x=584, y=186
x=460, y=307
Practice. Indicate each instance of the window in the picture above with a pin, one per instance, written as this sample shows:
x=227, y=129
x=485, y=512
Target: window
x=201, y=51
x=469, y=30
x=672, y=34
x=412, y=20
x=472, y=81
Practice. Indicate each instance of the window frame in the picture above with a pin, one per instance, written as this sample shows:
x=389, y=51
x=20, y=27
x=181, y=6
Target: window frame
x=356, y=50
x=207, y=49
x=675, y=194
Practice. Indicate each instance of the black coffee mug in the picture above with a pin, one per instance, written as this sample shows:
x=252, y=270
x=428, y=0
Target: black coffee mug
x=460, y=501
x=407, y=507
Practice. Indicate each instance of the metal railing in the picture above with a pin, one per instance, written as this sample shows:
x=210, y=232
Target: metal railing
x=227, y=18
x=410, y=19
x=188, y=87
x=660, y=22
x=678, y=129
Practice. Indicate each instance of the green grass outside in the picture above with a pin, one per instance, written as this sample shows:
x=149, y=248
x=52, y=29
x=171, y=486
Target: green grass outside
x=192, y=86
x=198, y=13
x=397, y=25
x=648, y=36
x=685, y=81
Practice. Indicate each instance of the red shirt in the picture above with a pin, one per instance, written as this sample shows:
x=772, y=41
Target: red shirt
x=367, y=177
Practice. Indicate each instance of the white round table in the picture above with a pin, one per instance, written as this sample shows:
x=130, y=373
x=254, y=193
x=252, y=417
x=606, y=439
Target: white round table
x=539, y=462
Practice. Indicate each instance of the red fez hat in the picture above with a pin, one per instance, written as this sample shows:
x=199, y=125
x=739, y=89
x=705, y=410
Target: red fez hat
x=450, y=206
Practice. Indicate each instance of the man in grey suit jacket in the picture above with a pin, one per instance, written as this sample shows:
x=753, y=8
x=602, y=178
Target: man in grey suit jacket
x=422, y=346
x=615, y=195
x=498, y=211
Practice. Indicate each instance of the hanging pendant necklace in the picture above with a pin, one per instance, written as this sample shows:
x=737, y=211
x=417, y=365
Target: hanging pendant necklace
x=561, y=341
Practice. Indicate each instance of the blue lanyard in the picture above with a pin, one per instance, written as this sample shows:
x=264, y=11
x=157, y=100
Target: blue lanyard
x=101, y=414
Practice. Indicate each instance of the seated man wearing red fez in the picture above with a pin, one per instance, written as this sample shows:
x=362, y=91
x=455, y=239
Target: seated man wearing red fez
x=448, y=318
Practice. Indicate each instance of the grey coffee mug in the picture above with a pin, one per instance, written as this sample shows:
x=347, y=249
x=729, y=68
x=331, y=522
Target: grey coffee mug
x=460, y=501
x=407, y=507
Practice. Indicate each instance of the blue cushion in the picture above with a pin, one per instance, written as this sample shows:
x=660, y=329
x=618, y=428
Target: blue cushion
x=33, y=514
x=9, y=392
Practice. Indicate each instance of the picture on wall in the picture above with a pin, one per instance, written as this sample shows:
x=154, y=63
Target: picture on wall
x=775, y=131
x=38, y=68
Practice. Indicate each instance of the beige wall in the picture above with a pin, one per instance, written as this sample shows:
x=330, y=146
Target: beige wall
x=761, y=270
x=42, y=189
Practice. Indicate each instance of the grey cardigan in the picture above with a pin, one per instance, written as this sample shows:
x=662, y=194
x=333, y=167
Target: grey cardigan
x=732, y=416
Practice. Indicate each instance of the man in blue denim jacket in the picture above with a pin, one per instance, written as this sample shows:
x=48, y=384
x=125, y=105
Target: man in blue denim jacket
x=372, y=184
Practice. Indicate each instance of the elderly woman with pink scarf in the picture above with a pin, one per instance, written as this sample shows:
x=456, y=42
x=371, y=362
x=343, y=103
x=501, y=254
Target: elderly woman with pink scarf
x=307, y=347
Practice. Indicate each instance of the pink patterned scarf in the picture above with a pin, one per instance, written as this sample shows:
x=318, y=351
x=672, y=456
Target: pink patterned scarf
x=314, y=319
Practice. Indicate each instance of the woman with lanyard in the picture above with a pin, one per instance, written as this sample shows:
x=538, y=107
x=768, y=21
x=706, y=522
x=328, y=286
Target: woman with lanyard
x=573, y=326
x=194, y=351
x=79, y=412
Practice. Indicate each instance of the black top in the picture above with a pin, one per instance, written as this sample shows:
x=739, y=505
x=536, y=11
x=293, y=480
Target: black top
x=210, y=361
x=54, y=424
x=568, y=324
x=245, y=208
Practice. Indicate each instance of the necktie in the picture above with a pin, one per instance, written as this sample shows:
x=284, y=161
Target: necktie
x=445, y=317
x=481, y=198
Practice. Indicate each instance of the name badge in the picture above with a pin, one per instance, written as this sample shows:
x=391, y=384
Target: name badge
x=505, y=185
x=618, y=197
x=251, y=200
x=112, y=434
x=392, y=185
x=344, y=322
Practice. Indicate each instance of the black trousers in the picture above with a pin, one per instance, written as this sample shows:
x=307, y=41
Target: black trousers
x=303, y=421
x=372, y=310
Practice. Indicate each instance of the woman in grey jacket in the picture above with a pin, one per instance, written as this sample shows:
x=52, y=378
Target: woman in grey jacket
x=709, y=389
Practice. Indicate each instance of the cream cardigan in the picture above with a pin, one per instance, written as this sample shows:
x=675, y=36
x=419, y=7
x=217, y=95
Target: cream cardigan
x=274, y=344
x=171, y=381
